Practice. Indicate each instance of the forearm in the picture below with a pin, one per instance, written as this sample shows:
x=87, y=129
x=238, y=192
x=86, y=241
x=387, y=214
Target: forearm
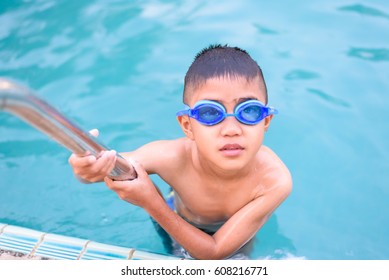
x=198, y=244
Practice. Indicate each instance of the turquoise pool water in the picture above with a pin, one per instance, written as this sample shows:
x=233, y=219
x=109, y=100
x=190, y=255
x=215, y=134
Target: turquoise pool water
x=119, y=66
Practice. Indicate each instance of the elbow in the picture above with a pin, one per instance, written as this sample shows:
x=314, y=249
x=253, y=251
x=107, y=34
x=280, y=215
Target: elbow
x=207, y=256
x=212, y=253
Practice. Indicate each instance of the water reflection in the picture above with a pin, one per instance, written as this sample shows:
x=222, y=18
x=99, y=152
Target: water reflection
x=371, y=54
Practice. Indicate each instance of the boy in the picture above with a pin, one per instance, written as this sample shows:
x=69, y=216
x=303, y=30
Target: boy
x=226, y=183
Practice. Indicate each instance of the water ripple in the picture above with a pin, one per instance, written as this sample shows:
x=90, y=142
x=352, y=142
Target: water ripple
x=299, y=74
x=381, y=54
x=265, y=30
x=364, y=10
x=329, y=98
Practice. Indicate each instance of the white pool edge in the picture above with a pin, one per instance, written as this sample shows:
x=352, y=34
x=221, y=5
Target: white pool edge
x=34, y=244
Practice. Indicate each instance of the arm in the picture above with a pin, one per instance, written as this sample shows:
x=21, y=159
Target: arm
x=156, y=157
x=238, y=230
x=159, y=157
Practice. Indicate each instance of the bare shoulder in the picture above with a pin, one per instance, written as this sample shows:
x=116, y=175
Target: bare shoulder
x=160, y=154
x=276, y=174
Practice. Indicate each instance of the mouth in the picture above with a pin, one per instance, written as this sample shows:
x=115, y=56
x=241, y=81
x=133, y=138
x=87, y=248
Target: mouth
x=232, y=149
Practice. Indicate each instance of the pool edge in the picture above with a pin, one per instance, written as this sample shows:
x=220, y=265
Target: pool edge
x=24, y=243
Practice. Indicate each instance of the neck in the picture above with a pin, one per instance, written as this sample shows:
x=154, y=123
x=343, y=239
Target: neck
x=211, y=170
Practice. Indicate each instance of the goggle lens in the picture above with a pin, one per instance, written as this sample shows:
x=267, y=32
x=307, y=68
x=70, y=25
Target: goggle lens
x=251, y=114
x=209, y=114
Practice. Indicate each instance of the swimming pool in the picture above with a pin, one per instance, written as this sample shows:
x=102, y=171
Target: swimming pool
x=119, y=66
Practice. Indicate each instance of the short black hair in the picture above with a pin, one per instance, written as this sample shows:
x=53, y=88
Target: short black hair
x=221, y=61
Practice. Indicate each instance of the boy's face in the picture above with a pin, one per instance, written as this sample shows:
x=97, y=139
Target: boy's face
x=229, y=145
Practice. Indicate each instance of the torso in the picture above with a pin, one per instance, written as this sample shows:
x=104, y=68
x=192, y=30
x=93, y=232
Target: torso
x=218, y=199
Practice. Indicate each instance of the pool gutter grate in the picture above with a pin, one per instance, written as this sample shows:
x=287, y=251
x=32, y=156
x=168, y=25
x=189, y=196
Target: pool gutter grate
x=23, y=243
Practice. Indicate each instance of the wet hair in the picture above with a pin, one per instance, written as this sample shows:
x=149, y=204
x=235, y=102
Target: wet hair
x=222, y=61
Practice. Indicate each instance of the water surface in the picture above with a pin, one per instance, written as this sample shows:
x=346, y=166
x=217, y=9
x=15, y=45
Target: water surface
x=119, y=66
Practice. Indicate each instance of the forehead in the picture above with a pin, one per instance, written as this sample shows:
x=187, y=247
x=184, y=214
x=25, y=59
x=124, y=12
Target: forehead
x=228, y=90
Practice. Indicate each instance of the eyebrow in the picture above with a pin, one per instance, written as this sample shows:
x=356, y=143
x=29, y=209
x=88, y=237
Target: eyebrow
x=239, y=100
x=243, y=99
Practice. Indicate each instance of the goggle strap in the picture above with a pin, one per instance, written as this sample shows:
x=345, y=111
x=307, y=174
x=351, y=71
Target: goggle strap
x=272, y=111
x=186, y=111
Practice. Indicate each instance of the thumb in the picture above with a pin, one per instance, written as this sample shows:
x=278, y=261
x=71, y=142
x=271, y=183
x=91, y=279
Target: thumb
x=94, y=132
x=139, y=169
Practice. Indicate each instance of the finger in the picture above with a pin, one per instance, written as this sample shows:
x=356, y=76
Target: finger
x=139, y=169
x=110, y=162
x=115, y=185
x=81, y=161
x=108, y=181
x=103, y=163
x=94, y=132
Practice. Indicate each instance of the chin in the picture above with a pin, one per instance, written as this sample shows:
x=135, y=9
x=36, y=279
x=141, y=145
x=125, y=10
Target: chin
x=232, y=165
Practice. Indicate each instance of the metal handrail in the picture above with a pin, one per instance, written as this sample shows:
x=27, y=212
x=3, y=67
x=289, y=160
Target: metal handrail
x=22, y=102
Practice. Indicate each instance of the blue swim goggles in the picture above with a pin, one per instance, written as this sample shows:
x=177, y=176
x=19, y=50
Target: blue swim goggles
x=210, y=113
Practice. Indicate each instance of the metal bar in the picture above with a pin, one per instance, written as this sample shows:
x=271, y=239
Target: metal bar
x=22, y=102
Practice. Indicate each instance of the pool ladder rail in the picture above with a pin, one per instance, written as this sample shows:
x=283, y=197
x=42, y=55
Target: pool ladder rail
x=22, y=102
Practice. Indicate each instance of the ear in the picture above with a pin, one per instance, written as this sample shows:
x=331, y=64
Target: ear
x=186, y=126
x=267, y=121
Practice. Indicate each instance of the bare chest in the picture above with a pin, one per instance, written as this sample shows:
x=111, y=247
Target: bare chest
x=205, y=201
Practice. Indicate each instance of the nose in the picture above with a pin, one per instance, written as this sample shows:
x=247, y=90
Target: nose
x=230, y=126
